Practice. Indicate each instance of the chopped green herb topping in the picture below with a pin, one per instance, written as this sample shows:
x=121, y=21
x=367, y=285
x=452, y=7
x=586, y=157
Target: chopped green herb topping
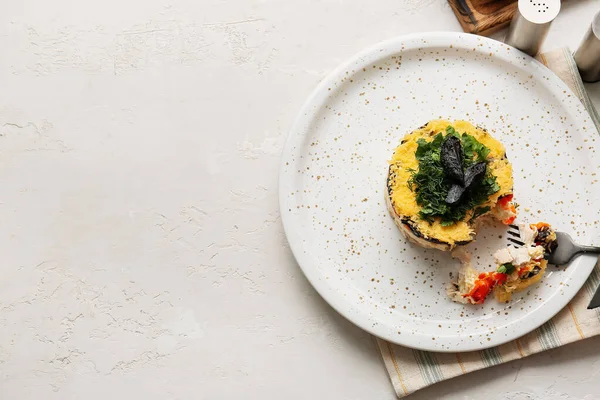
x=479, y=211
x=431, y=182
x=507, y=268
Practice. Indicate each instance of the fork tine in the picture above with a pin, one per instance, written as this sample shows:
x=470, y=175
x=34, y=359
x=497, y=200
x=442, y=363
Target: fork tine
x=515, y=241
x=514, y=231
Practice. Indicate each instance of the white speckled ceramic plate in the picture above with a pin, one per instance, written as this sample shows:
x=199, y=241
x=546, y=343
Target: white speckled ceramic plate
x=332, y=185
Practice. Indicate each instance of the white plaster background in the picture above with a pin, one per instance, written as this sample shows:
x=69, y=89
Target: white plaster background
x=142, y=249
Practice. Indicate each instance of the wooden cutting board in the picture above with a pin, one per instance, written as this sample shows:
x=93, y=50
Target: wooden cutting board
x=483, y=17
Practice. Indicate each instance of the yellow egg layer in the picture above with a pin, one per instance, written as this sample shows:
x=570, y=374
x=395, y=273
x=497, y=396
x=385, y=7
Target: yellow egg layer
x=404, y=200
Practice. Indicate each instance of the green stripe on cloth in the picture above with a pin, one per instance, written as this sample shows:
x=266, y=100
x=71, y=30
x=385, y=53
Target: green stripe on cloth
x=580, y=89
x=548, y=336
x=491, y=357
x=429, y=366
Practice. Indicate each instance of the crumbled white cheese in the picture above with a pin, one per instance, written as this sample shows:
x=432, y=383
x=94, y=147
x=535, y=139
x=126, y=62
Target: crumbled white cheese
x=520, y=255
x=463, y=284
x=503, y=256
x=454, y=294
x=536, y=252
x=461, y=254
x=527, y=234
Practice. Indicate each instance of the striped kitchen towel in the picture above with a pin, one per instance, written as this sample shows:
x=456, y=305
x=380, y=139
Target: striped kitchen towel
x=411, y=370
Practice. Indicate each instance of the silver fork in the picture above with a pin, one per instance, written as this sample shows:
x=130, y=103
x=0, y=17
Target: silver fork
x=565, y=251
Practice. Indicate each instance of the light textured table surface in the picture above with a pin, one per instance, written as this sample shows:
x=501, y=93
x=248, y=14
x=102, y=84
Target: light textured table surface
x=142, y=250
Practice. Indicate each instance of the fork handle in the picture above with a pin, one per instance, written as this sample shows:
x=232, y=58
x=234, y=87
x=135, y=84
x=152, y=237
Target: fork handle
x=589, y=249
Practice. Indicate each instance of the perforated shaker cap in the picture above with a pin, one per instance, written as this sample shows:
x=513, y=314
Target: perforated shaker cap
x=539, y=11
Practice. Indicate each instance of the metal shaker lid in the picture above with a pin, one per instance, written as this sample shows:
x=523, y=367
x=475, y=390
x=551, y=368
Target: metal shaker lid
x=539, y=11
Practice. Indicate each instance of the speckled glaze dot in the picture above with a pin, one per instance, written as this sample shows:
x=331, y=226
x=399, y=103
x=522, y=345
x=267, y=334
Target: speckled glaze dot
x=333, y=183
